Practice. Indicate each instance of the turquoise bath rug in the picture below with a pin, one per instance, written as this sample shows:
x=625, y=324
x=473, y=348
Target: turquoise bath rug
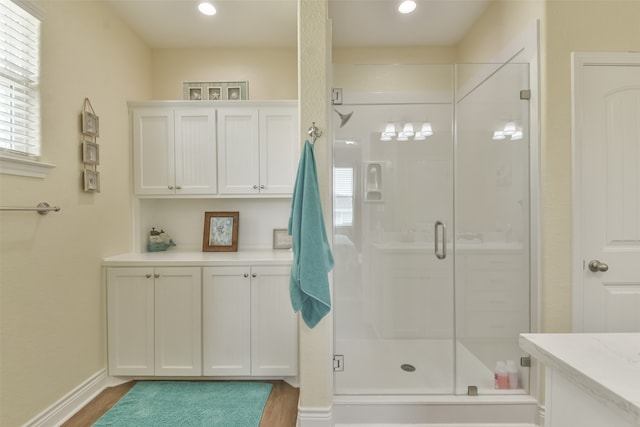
x=189, y=404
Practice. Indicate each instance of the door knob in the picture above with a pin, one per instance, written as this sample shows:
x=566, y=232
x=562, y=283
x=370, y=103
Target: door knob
x=595, y=266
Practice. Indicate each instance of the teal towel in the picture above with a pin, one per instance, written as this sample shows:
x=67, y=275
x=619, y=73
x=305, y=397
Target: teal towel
x=312, y=258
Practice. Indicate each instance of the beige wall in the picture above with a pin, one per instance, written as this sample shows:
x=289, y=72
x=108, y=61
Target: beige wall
x=501, y=23
x=271, y=73
x=52, y=307
x=606, y=25
x=394, y=55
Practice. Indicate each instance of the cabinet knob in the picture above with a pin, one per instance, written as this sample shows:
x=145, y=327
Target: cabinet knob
x=262, y=187
x=170, y=187
x=156, y=275
x=255, y=187
x=178, y=187
x=246, y=274
x=148, y=275
x=254, y=275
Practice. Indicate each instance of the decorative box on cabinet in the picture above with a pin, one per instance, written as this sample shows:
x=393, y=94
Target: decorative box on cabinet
x=249, y=327
x=154, y=321
x=258, y=148
x=174, y=150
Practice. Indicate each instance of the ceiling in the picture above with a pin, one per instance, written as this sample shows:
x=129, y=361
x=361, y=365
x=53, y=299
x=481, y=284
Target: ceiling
x=272, y=23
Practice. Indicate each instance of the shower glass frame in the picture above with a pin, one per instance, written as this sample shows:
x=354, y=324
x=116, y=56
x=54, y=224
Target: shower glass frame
x=405, y=321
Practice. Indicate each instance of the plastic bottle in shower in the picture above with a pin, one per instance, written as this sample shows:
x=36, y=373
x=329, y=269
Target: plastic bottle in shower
x=501, y=376
x=512, y=372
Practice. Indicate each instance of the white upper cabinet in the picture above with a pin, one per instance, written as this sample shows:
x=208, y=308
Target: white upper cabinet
x=174, y=150
x=279, y=149
x=258, y=149
x=239, y=163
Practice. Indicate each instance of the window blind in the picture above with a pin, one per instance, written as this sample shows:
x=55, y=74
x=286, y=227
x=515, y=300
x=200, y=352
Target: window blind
x=19, y=80
x=343, y=196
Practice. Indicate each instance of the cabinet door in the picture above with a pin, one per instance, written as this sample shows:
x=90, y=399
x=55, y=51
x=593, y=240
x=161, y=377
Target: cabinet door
x=226, y=321
x=195, y=155
x=130, y=316
x=178, y=321
x=238, y=164
x=279, y=149
x=153, y=151
x=274, y=330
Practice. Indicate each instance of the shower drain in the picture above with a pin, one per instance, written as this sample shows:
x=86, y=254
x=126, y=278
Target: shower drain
x=407, y=367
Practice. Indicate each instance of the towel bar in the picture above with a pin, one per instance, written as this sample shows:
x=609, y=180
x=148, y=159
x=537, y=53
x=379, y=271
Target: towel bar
x=43, y=208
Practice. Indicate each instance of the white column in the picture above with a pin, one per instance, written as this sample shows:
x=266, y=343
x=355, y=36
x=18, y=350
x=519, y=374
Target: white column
x=314, y=62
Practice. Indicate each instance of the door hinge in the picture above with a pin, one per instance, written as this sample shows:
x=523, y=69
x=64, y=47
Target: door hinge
x=525, y=361
x=338, y=363
x=525, y=94
x=336, y=96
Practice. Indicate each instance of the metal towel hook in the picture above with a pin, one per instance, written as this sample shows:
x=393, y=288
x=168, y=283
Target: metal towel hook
x=314, y=132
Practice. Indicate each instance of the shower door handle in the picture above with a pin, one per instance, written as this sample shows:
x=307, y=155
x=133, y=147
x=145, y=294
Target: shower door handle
x=439, y=225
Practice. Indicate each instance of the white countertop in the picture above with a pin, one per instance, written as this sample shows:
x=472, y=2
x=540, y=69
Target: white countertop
x=605, y=365
x=172, y=258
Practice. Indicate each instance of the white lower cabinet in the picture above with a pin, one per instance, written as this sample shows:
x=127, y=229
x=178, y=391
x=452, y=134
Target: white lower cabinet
x=249, y=327
x=201, y=321
x=154, y=321
x=178, y=321
x=226, y=321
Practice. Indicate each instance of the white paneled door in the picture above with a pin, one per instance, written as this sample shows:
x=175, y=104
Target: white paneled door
x=607, y=193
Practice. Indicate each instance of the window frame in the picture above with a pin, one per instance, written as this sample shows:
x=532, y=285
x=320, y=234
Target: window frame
x=350, y=196
x=15, y=162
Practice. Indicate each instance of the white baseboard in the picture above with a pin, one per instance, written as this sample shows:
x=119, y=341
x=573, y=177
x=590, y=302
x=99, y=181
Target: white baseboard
x=314, y=417
x=542, y=411
x=72, y=402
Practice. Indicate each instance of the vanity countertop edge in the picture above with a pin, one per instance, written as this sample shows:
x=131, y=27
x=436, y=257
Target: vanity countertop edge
x=605, y=365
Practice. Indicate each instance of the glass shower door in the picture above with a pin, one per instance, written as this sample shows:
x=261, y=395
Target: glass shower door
x=393, y=215
x=492, y=226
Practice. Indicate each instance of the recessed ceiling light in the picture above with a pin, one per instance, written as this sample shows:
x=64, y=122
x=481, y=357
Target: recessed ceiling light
x=207, y=9
x=407, y=6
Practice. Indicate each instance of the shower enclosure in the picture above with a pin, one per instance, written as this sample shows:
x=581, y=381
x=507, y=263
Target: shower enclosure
x=431, y=228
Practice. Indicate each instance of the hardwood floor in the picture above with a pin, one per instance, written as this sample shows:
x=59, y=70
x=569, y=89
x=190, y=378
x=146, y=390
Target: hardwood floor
x=281, y=409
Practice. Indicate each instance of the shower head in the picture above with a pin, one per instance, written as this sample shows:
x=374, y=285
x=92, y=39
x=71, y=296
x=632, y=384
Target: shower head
x=344, y=118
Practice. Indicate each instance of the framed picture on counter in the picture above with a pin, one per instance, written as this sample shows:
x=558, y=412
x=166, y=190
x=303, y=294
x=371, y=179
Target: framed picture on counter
x=281, y=238
x=220, y=232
